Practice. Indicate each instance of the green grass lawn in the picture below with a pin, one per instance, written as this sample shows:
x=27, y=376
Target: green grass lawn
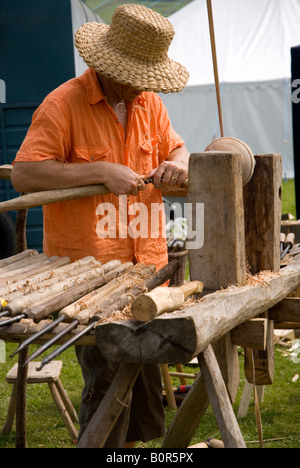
x=288, y=197
x=279, y=411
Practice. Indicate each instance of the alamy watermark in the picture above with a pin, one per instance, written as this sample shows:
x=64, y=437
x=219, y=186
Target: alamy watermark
x=140, y=220
x=2, y=92
x=2, y=352
x=296, y=93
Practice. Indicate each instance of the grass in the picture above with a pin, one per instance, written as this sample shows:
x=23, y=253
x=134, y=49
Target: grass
x=279, y=411
x=288, y=197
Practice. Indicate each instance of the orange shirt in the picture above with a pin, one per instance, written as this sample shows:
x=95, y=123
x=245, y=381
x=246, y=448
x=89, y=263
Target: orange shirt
x=76, y=124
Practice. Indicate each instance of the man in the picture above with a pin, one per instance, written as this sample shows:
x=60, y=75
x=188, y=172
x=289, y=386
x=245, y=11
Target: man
x=108, y=126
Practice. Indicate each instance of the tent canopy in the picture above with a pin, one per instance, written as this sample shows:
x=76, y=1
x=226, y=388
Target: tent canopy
x=253, y=41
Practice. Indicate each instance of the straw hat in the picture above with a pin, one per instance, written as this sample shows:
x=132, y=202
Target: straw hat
x=133, y=50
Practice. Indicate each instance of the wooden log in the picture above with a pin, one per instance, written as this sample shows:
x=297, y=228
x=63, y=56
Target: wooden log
x=97, y=309
x=159, y=278
x=251, y=334
x=149, y=305
x=19, y=304
x=164, y=338
x=53, y=274
x=8, y=269
x=28, y=272
x=88, y=305
x=17, y=257
x=64, y=299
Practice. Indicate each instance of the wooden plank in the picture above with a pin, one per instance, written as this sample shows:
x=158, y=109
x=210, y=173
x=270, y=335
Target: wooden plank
x=164, y=339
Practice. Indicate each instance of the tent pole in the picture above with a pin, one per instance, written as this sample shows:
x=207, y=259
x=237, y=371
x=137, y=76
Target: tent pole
x=215, y=63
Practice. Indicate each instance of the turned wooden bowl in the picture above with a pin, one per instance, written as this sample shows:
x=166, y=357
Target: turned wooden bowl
x=236, y=146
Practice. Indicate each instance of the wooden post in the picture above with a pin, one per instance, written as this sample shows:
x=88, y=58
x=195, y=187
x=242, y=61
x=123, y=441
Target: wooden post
x=262, y=201
x=21, y=387
x=215, y=179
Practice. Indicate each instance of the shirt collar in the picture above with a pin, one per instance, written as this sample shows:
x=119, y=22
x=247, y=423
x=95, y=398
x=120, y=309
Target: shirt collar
x=94, y=90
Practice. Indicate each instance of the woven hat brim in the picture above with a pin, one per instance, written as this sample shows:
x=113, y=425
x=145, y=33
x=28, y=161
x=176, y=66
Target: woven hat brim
x=166, y=76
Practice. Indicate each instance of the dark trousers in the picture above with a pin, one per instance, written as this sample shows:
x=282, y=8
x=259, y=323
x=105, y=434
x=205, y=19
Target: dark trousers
x=143, y=420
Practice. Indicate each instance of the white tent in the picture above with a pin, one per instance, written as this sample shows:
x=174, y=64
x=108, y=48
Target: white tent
x=253, y=41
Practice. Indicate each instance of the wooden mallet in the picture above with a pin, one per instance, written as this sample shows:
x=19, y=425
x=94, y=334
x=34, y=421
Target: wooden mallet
x=162, y=299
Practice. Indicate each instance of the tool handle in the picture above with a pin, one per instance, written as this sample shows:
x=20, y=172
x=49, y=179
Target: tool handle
x=290, y=239
x=282, y=237
x=193, y=287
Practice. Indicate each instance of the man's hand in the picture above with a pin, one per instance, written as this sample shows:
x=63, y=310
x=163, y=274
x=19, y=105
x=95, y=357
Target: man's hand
x=123, y=181
x=173, y=171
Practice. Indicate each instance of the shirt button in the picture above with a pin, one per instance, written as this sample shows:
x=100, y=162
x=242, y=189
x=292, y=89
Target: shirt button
x=92, y=158
x=117, y=121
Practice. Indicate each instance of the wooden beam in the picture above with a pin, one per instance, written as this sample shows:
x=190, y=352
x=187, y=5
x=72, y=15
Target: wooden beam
x=164, y=339
x=251, y=334
x=287, y=310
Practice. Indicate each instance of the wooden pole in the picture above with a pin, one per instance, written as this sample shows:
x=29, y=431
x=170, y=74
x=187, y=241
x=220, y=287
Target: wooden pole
x=215, y=63
x=262, y=200
x=21, y=406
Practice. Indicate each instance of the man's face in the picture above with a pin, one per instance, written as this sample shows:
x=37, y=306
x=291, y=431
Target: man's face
x=125, y=91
